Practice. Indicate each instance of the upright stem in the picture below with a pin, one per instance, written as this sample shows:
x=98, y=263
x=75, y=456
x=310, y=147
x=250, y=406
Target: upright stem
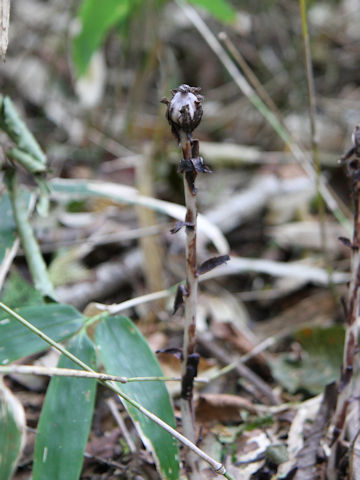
x=191, y=274
x=190, y=301
x=352, y=327
x=184, y=113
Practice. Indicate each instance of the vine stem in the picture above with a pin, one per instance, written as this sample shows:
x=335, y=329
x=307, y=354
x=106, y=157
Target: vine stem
x=216, y=466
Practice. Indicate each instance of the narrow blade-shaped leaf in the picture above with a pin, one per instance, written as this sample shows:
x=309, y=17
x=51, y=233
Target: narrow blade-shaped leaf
x=95, y=18
x=124, y=351
x=221, y=9
x=56, y=320
x=7, y=233
x=12, y=431
x=26, y=144
x=65, y=419
x=18, y=291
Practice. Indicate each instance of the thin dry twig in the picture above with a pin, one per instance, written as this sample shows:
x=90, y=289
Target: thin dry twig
x=119, y=420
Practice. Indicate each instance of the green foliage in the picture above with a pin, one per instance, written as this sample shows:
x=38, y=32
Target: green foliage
x=12, y=431
x=65, y=419
x=125, y=352
x=319, y=364
x=220, y=9
x=27, y=150
x=7, y=225
x=18, y=291
x=96, y=19
x=56, y=320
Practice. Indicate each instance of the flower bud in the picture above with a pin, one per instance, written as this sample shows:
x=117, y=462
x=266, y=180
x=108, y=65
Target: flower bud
x=184, y=110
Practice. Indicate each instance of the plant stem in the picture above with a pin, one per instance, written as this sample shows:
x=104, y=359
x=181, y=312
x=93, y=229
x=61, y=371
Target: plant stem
x=352, y=325
x=29, y=243
x=217, y=466
x=190, y=301
x=68, y=372
x=191, y=275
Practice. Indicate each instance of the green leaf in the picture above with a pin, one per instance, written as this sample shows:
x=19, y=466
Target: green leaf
x=28, y=152
x=18, y=291
x=96, y=19
x=7, y=226
x=65, y=419
x=220, y=9
x=56, y=320
x=319, y=364
x=12, y=431
x=125, y=352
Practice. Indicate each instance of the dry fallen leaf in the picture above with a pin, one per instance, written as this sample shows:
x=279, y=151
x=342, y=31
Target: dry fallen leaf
x=221, y=407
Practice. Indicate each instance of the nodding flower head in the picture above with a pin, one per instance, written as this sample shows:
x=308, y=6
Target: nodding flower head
x=184, y=110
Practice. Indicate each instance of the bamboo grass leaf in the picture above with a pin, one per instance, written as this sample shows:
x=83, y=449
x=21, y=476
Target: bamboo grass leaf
x=96, y=19
x=27, y=151
x=65, y=419
x=7, y=232
x=18, y=291
x=34, y=258
x=56, y=320
x=221, y=9
x=124, y=351
x=12, y=431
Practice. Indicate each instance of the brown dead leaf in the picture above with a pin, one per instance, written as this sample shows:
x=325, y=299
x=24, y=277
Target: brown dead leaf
x=221, y=407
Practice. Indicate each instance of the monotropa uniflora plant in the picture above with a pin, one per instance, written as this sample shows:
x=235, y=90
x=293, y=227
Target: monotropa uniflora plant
x=350, y=367
x=184, y=113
